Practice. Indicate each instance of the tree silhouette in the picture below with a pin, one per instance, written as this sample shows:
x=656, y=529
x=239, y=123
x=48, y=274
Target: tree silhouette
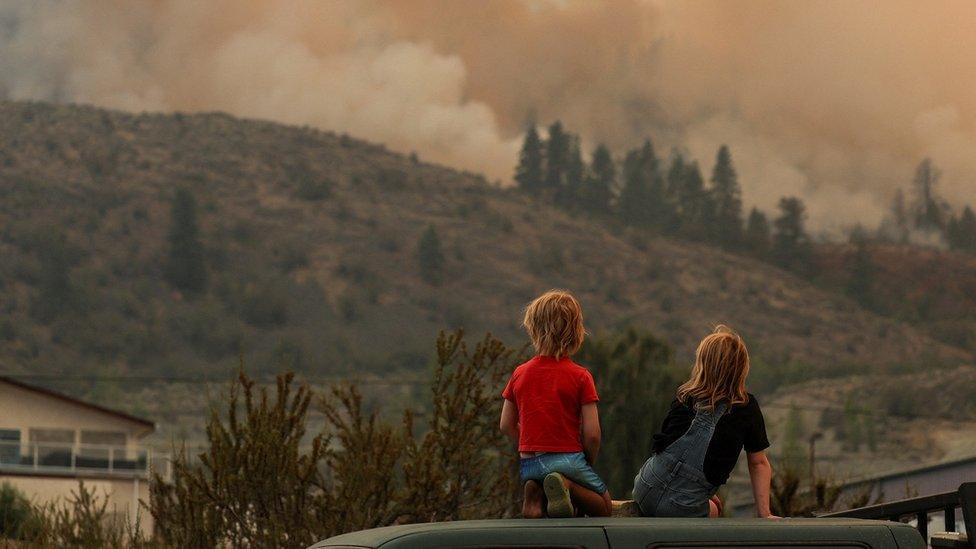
x=757, y=236
x=928, y=209
x=571, y=192
x=430, y=257
x=860, y=267
x=791, y=244
x=694, y=204
x=529, y=172
x=727, y=199
x=557, y=158
x=641, y=201
x=637, y=369
x=186, y=268
x=600, y=182
x=961, y=232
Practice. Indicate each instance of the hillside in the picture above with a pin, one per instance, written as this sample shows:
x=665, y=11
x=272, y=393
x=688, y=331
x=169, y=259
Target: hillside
x=311, y=249
x=930, y=288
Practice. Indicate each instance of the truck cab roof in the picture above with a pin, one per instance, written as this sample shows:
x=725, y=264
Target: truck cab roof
x=623, y=533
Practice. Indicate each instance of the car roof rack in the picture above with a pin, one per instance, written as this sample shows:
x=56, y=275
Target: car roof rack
x=919, y=508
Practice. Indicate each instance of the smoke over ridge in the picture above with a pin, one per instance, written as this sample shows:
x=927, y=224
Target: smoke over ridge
x=832, y=101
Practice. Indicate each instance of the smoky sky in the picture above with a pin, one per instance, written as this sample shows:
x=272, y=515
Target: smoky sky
x=832, y=101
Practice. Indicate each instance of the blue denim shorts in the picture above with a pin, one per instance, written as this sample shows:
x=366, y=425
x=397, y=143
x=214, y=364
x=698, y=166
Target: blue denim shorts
x=571, y=465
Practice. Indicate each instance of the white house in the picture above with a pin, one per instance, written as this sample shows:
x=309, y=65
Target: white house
x=50, y=441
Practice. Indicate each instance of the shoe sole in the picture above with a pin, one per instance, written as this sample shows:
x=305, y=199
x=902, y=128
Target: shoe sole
x=558, y=505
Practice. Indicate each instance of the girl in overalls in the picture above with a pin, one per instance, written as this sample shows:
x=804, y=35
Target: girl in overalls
x=710, y=422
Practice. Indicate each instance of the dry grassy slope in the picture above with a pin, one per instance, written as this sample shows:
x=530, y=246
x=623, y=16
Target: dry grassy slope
x=933, y=289
x=358, y=301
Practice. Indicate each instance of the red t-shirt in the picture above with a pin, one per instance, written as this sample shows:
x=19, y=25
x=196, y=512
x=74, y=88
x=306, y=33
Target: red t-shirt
x=549, y=394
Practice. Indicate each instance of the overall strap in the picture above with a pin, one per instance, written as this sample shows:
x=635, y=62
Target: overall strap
x=693, y=445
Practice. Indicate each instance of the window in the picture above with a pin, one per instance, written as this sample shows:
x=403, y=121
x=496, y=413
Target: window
x=53, y=446
x=103, y=438
x=52, y=436
x=98, y=448
x=10, y=446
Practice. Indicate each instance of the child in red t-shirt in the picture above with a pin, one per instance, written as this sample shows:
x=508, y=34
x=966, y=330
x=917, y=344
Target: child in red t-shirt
x=550, y=408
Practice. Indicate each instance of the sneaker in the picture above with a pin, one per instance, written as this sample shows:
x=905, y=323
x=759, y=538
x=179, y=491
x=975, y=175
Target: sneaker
x=559, y=504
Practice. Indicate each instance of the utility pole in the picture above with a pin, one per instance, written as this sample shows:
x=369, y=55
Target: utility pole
x=813, y=457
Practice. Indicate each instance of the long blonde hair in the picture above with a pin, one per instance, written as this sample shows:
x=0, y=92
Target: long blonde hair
x=720, y=370
x=554, y=321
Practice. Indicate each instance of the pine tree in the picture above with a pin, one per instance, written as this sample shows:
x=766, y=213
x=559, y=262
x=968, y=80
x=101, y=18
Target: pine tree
x=641, y=202
x=572, y=189
x=634, y=194
x=529, y=172
x=727, y=200
x=186, y=268
x=967, y=230
x=56, y=294
x=860, y=267
x=430, y=257
x=791, y=244
x=600, y=182
x=557, y=158
x=673, y=190
x=929, y=211
x=961, y=231
x=757, y=235
x=694, y=204
x=897, y=226
x=638, y=368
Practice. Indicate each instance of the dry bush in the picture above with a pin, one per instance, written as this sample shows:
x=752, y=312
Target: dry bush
x=788, y=498
x=262, y=482
x=463, y=467
x=257, y=484
x=83, y=520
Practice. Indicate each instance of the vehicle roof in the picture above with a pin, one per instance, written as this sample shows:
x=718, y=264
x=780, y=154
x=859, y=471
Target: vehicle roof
x=377, y=536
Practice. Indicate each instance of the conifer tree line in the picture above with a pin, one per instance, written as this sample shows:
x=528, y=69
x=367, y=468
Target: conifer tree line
x=924, y=211
x=671, y=196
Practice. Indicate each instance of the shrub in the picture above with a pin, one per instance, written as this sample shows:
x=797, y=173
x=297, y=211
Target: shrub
x=313, y=189
x=15, y=511
x=83, y=520
x=265, y=304
x=430, y=257
x=391, y=179
x=636, y=368
x=291, y=255
x=263, y=481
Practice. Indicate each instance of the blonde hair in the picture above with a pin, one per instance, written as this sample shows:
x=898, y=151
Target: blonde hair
x=720, y=370
x=554, y=321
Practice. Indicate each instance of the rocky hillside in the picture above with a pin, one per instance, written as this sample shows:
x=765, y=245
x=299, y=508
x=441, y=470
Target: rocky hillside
x=311, y=247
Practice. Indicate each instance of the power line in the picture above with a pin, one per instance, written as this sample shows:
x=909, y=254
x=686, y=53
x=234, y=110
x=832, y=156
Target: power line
x=412, y=381
x=214, y=380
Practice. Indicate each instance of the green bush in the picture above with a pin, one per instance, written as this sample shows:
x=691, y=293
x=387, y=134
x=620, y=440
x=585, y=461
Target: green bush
x=15, y=511
x=637, y=369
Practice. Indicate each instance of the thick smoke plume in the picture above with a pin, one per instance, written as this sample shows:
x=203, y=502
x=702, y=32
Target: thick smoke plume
x=832, y=101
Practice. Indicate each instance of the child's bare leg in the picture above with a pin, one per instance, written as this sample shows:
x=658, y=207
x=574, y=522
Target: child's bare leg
x=533, y=501
x=589, y=502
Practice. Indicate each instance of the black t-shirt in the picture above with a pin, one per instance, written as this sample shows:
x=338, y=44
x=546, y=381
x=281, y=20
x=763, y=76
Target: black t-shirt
x=741, y=427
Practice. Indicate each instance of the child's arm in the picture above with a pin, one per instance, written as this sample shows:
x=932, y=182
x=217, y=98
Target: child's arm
x=509, y=421
x=591, y=431
x=760, y=474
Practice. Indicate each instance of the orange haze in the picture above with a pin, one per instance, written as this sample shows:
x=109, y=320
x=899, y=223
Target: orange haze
x=834, y=101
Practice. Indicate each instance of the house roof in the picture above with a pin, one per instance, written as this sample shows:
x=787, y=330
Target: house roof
x=150, y=425
x=912, y=470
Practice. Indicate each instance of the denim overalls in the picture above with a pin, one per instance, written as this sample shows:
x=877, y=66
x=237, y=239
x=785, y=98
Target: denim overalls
x=672, y=482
